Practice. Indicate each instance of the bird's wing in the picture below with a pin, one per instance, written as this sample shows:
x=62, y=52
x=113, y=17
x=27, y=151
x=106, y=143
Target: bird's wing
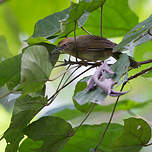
x=94, y=43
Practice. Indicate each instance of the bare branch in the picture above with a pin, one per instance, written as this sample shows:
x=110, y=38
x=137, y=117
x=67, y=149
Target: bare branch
x=108, y=124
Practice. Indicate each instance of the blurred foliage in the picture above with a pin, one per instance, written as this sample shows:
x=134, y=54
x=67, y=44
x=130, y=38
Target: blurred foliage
x=18, y=18
x=17, y=21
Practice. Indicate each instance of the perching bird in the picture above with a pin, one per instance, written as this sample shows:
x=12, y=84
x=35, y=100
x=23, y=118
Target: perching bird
x=91, y=48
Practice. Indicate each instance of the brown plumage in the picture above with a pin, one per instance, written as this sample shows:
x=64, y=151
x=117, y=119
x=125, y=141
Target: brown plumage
x=90, y=48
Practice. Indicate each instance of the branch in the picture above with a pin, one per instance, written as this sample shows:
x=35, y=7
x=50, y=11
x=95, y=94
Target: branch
x=145, y=62
x=85, y=118
x=150, y=144
x=101, y=20
x=139, y=74
x=75, y=43
x=50, y=99
x=63, y=73
x=106, y=129
x=85, y=30
x=57, y=92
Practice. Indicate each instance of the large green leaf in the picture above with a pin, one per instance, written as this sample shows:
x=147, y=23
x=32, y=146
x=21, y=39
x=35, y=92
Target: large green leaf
x=64, y=22
x=88, y=135
x=10, y=71
x=131, y=137
x=37, y=63
x=24, y=111
x=67, y=114
x=4, y=50
x=115, y=23
x=143, y=51
x=53, y=132
x=38, y=8
x=83, y=99
x=139, y=34
x=135, y=129
x=123, y=105
x=28, y=145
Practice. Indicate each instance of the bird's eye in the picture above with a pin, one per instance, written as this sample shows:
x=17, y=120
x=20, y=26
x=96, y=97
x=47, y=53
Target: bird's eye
x=65, y=44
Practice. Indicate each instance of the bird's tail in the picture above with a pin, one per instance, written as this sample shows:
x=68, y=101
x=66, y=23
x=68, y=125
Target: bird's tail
x=133, y=63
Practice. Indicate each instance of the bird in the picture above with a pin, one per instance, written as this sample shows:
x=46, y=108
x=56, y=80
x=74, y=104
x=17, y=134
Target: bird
x=91, y=48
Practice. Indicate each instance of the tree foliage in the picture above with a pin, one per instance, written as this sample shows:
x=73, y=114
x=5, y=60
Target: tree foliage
x=27, y=72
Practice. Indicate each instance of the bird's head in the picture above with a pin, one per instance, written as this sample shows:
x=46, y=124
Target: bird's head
x=66, y=45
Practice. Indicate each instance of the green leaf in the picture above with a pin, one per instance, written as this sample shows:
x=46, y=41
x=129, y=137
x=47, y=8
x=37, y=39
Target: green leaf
x=28, y=145
x=123, y=105
x=37, y=64
x=135, y=129
x=22, y=11
x=88, y=136
x=112, y=15
x=148, y=74
x=24, y=111
x=32, y=41
x=143, y=51
x=128, y=138
x=120, y=67
x=54, y=132
x=50, y=25
x=4, y=53
x=67, y=114
x=63, y=22
x=10, y=71
x=138, y=35
x=82, y=98
x=30, y=86
x=3, y=91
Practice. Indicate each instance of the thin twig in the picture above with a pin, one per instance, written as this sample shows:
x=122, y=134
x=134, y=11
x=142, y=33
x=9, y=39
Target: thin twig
x=51, y=100
x=112, y=114
x=84, y=63
x=97, y=63
x=61, y=74
x=85, y=118
x=145, y=62
x=150, y=144
x=85, y=30
x=56, y=94
x=139, y=74
x=75, y=43
x=67, y=85
x=101, y=20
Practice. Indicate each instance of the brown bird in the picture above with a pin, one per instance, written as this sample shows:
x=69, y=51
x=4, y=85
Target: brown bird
x=91, y=48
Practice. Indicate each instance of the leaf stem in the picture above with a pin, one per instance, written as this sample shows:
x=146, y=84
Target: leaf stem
x=85, y=30
x=75, y=43
x=106, y=129
x=139, y=74
x=145, y=62
x=85, y=118
x=101, y=20
x=50, y=99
